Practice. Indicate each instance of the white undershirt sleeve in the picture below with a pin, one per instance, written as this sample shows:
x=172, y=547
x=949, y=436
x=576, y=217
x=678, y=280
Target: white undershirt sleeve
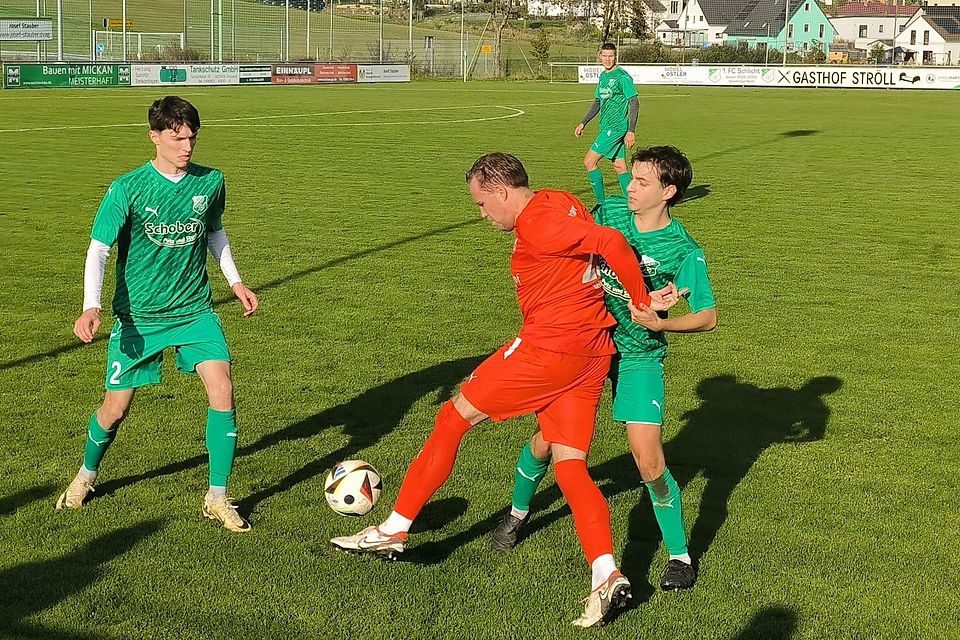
x=93, y=274
x=220, y=250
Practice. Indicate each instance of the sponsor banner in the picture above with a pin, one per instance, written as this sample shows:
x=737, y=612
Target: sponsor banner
x=336, y=73
x=255, y=73
x=185, y=74
x=28, y=29
x=383, y=73
x=310, y=73
x=301, y=73
x=829, y=76
x=29, y=76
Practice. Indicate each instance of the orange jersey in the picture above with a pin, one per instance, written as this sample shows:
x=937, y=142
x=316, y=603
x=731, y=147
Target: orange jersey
x=558, y=286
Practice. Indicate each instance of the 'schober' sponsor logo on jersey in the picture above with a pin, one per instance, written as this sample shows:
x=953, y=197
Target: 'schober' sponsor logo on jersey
x=608, y=280
x=174, y=234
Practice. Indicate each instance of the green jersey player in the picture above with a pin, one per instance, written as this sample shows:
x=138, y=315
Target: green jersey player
x=615, y=99
x=163, y=217
x=668, y=256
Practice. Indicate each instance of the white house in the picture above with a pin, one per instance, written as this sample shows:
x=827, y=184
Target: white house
x=864, y=24
x=932, y=36
x=554, y=9
x=699, y=22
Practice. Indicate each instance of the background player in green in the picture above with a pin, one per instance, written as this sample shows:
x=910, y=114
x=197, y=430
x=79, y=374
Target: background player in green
x=615, y=99
x=667, y=253
x=163, y=216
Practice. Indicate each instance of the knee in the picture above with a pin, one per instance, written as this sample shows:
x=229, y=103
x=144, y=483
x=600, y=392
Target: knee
x=651, y=467
x=589, y=164
x=220, y=394
x=110, y=415
x=539, y=447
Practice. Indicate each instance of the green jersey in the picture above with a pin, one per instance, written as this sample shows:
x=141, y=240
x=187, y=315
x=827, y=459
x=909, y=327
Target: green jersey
x=614, y=91
x=160, y=228
x=666, y=255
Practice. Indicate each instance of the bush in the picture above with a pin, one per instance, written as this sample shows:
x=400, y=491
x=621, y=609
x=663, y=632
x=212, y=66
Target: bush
x=650, y=51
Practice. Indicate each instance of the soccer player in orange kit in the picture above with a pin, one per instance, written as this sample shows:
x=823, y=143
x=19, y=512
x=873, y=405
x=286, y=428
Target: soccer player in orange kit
x=555, y=368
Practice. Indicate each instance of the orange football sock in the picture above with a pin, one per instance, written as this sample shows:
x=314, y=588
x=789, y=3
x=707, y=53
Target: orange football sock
x=591, y=515
x=432, y=466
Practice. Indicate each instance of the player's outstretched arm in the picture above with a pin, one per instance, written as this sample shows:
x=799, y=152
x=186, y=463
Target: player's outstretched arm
x=613, y=247
x=703, y=320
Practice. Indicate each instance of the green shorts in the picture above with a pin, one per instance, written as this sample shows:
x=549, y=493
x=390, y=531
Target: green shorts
x=638, y=391
x=135, y=352
x=609, y=144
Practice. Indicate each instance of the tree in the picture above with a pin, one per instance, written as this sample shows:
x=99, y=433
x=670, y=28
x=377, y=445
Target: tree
x=500, y=15
x=638, y=19
x=541, y=47
x=878, y=53
x=817, y=56
x=612, y=19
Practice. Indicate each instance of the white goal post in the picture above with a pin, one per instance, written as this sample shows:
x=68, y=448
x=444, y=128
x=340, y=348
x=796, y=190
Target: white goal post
x=108, y=45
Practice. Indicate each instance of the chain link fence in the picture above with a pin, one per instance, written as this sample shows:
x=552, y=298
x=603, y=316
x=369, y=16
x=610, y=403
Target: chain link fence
x=441, y=41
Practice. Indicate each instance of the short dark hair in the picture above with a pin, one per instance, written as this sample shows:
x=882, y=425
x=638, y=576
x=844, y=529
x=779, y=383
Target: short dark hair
x=498, y=169
x=672, y=168
x=172, y=112
x=608, y=46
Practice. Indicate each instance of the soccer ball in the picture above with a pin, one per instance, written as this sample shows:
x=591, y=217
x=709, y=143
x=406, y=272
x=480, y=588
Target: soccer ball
x=352, y=488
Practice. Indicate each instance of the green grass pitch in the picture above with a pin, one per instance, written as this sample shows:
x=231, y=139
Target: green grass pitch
x=814, y=433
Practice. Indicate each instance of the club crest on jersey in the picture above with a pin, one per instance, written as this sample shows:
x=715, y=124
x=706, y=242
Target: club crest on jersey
x=200, y=204
x=649, y=266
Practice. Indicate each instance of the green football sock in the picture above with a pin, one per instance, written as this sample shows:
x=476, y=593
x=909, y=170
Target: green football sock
x=221, y=444
x=98, y=440
x=530, y=472
x=596, y=182
x=624, y=179
x=665, y=495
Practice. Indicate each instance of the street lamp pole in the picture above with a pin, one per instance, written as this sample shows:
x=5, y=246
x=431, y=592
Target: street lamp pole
x=786, y=29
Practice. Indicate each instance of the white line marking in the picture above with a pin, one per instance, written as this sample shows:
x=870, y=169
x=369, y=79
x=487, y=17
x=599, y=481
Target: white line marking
x=59, y=96
x=225, y=122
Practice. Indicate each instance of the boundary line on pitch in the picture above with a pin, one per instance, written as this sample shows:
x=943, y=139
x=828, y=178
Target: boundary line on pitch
x=103, y=95
x=226, y=122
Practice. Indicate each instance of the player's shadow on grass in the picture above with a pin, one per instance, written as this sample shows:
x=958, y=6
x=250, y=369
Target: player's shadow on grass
x=770, y=623
x=260, y=289
x=795, y=133
x=35, y=587
x=365, y=419
x=695, y=193
x=720, y=441
x=9, y=504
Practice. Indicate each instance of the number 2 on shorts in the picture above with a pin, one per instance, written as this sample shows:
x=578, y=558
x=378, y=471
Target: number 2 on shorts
x=115, y=376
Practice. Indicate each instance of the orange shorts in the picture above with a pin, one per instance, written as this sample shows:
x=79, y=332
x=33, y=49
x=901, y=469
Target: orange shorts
x=563, y=390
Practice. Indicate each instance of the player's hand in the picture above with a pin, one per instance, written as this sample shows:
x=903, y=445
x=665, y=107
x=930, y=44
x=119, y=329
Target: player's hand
x=645, y=317
x=630, y=139
x=663, y=299
x=87, y=324
x=578, y=130
x=247, y=297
